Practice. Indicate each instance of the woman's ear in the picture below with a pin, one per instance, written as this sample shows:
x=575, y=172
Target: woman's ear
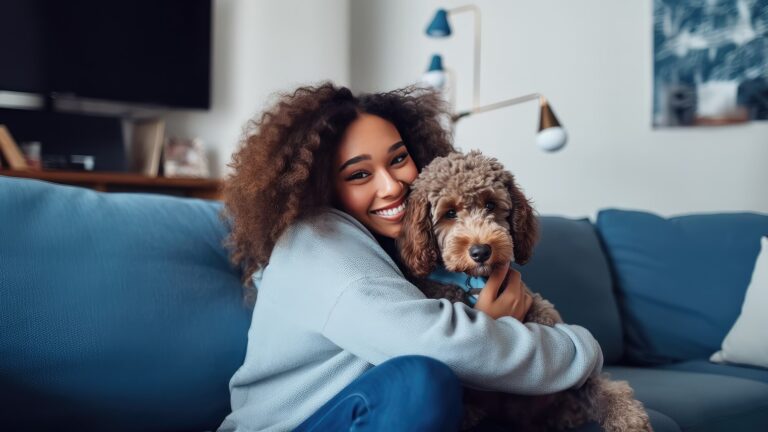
x=522, y=222
x=417, y=243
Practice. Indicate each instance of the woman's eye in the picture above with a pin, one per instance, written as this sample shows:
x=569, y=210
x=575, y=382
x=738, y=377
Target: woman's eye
x=400, y=158
x=358, y=175
x=450, y=214
x=490, y=205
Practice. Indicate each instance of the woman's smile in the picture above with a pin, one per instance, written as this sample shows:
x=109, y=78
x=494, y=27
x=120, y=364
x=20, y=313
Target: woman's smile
x=393, y=212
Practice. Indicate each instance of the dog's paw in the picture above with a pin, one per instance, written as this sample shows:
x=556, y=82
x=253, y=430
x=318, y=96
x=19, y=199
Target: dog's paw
x=624, y=413
x=637, y=421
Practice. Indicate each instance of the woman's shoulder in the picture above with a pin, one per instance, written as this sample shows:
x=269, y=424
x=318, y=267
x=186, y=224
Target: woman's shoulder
x=329, y=225
x=333, y=238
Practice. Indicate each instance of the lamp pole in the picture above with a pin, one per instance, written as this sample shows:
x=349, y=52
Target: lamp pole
x=476, y=72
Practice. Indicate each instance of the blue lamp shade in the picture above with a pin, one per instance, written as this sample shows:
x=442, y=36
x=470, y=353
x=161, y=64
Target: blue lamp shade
x=439, y=26
x=435, y=75
x=436, y=64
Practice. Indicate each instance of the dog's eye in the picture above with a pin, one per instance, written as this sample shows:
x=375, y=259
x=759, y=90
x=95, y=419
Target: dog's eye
x=450, y=214
x=490, y=205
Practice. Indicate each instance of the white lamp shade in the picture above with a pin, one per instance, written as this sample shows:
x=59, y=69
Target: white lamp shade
x=551, y=139
x=435, y=79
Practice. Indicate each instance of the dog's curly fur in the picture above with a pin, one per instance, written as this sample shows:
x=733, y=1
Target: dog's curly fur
x=462, y=200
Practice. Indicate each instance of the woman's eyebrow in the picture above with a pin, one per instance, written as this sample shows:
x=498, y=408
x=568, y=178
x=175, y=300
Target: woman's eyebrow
x=357, y=159
x=354, y=160
x=395, y=146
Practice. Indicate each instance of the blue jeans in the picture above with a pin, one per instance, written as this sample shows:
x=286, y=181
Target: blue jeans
x=409, y=393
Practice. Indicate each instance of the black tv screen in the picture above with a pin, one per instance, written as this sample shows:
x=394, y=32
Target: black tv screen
x=142, y=51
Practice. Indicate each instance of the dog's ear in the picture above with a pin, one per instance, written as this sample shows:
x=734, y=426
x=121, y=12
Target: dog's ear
x=522, y=222
x=417, y=243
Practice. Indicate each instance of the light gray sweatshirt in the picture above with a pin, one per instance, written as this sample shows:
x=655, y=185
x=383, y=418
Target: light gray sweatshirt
x=332, y=304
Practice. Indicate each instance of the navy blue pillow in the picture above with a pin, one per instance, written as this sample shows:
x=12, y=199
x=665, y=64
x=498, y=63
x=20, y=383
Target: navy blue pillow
x=681, y=281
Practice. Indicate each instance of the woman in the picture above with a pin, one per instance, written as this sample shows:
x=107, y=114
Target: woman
x=339, y=339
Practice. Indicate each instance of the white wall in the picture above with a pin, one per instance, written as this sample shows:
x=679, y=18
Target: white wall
x=593, y=60
x=261, y=47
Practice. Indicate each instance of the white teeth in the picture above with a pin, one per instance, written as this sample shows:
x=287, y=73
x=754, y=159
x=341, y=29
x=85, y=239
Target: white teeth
x=391, y=212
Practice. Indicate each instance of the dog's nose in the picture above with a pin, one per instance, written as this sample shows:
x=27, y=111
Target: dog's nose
x=480, y=253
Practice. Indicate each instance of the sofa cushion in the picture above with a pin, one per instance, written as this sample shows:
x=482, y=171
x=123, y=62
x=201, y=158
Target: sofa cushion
x=659, y=422
x=681, y=281
x=705, y=366
x=745, y=343
x=569, y=269
x=699, y=402
x=118, y=311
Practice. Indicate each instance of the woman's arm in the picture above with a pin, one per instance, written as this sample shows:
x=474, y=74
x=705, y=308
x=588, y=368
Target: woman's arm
x=380, y=318
x=329, y=276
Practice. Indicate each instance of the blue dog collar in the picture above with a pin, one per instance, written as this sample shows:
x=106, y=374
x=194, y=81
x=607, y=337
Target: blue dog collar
x=461, y=280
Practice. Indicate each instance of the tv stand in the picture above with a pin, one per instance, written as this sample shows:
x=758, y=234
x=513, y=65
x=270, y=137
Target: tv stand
x=125, y=182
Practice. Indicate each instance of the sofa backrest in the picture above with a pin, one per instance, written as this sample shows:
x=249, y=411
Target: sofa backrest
x=570, y=270
x=117, y=311
x=681, y=280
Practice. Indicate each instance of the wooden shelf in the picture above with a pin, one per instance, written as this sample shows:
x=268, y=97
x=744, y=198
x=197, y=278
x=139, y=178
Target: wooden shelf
x=126, y=182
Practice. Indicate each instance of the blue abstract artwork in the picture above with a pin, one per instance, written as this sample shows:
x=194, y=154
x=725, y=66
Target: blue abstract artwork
x=710, y=62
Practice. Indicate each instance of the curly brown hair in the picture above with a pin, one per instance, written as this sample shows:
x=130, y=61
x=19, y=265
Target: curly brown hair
x=282, y=170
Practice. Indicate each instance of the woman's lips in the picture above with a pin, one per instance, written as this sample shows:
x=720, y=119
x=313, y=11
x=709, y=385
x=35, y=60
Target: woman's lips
x=395, y=204
x=392, y=214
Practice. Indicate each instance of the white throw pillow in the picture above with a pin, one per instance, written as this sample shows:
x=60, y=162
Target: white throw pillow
x=747, y=342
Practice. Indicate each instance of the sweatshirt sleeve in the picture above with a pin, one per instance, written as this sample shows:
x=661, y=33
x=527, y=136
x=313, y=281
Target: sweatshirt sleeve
x=384, y=317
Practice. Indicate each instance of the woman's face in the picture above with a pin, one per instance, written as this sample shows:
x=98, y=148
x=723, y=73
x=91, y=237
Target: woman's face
x=373, y=172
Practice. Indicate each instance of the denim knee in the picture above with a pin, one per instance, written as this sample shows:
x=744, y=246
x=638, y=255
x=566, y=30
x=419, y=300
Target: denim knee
x=434, y=391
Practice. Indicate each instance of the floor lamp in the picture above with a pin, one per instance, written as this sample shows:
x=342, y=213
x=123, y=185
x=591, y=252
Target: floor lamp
x=551, y=136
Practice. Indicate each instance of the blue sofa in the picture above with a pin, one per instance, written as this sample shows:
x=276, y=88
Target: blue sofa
x=122, y=311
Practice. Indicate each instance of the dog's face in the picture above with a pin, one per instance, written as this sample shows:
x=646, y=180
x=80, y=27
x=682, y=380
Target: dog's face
x=467, y=212
x=471, y=230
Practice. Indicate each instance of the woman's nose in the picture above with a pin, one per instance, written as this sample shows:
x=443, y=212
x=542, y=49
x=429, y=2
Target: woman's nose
x=390, y=186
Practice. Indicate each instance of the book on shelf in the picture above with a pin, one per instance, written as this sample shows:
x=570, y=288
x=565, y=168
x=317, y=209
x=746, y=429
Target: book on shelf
x=147, y=146
x=10, y=150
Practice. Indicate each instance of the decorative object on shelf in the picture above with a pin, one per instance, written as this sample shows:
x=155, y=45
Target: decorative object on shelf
x=185, y=158
x=32, y=151
x=10, y=151
x=710, y=62
x=147, y=146
x=551, y=136
x=82, y=162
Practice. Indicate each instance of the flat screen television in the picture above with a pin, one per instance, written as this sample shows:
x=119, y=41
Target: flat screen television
x=155, y=52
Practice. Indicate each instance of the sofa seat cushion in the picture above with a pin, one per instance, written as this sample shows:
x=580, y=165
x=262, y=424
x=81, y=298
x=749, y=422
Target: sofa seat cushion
x=117, y=311
x=706, y=366
x=681, y=281
x=699, y=402
x=569, y=269
x=660, y=423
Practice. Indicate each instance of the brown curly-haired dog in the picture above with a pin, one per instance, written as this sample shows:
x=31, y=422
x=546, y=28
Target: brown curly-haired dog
x=466, y=212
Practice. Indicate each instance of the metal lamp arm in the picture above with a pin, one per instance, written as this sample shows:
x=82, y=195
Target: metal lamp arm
x=497, y=105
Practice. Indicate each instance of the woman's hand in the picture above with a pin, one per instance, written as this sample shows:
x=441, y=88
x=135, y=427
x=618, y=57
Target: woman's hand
x=514, y=301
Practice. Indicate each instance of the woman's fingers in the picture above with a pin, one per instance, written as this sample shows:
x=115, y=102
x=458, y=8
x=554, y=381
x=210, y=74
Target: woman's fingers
x=495, y=280
x=514, y=286
x=514, y=301
x=515, y=297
